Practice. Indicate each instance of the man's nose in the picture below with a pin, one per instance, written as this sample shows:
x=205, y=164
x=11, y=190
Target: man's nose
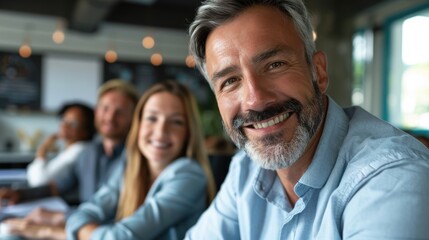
x=257, y=93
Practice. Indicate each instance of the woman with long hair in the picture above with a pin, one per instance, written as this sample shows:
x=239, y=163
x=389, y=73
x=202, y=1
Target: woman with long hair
x=167, y=182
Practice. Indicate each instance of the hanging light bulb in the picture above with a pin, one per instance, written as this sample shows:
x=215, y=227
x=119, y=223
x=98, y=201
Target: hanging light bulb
x=156, y=59
x=111, y=56
x=25, y=50
x=148, y=42
x=190, y=61
x=58, y=35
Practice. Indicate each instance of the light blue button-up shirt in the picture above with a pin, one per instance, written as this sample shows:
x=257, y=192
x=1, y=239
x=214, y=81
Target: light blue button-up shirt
x=368, y=180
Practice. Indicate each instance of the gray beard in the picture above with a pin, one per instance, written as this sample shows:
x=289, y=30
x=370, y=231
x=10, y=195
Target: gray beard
x=274, y=153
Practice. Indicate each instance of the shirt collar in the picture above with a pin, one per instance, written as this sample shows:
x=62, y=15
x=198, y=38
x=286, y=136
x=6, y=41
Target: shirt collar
x=334, y=131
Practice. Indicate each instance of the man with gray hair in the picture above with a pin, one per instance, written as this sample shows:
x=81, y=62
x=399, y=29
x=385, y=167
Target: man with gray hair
x=308, y=169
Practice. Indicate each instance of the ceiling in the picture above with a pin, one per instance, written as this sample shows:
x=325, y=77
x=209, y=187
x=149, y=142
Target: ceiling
x=88, y=15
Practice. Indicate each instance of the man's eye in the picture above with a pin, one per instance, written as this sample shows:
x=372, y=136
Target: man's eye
x=228, y=82
x=276, y=65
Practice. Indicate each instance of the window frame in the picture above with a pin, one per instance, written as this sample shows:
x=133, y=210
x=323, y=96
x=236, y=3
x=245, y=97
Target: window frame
x=387, y=63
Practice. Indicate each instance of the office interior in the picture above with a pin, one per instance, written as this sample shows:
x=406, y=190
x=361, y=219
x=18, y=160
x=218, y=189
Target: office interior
x=72, y=45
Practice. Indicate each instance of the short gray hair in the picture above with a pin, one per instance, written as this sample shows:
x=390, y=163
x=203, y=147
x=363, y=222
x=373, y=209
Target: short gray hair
x=213, y=13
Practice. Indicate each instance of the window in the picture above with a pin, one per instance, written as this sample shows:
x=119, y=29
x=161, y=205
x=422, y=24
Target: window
x=407, y=78
x=391, y=64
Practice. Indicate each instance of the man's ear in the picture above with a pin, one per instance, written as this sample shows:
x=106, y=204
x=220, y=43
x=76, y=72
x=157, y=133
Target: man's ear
x=321, y=66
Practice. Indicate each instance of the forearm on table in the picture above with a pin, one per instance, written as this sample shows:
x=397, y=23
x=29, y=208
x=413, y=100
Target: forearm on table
x=22, y=227
x=86, y=230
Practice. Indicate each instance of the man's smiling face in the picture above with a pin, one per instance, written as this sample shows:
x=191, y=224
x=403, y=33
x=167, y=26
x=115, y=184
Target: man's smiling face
x=264, y=86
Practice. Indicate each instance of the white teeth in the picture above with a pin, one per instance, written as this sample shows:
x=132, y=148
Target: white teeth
x=271, y=122
x=159, y=144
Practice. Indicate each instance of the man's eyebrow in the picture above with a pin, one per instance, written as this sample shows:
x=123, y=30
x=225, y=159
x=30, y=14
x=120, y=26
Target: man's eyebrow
x=267, y=54
x=219, y=74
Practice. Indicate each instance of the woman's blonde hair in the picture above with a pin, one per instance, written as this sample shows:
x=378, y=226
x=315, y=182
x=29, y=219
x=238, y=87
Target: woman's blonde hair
x=136, y=178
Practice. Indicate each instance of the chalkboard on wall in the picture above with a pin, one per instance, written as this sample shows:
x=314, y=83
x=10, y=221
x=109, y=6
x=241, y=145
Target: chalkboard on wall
x=20, y=81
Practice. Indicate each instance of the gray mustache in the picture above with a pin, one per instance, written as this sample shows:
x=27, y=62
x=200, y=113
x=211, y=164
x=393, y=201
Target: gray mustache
x=269, y=112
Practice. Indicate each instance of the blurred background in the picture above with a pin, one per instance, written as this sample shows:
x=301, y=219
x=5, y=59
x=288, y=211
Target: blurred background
x=54, y=51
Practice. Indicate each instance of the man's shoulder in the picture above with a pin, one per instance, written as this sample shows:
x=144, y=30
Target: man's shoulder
x=372, y=158
x=90, y=146
x=370, y=139
x=374, y=149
